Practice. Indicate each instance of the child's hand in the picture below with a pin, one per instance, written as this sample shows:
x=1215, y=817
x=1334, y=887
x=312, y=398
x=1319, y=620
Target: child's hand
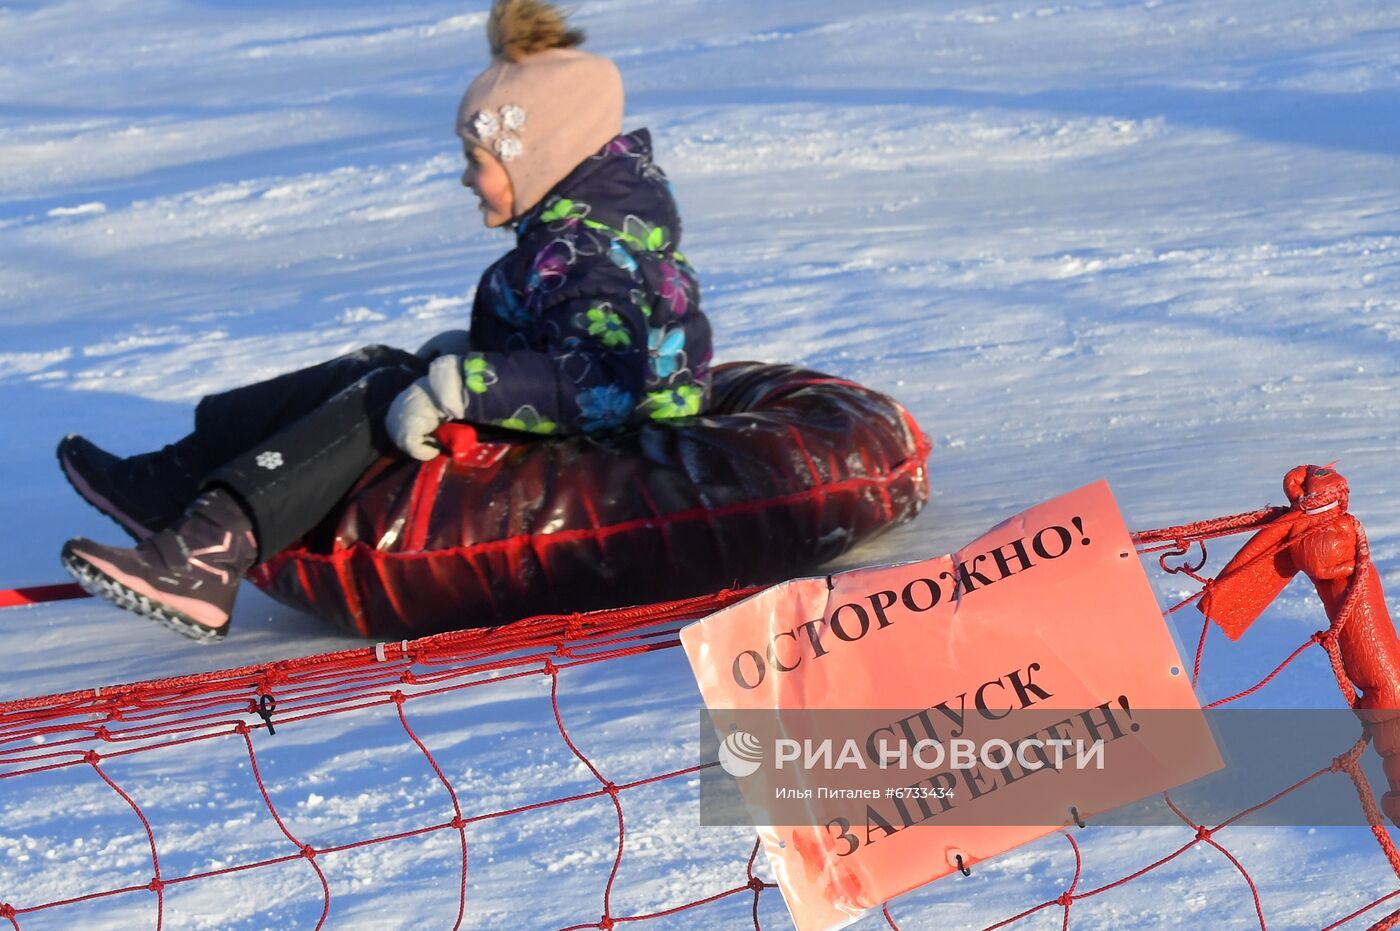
x=424, y=405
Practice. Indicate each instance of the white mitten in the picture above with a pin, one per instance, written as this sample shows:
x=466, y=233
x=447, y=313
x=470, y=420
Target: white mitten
x=445, y=379
x=423, y=406
x=451, y=342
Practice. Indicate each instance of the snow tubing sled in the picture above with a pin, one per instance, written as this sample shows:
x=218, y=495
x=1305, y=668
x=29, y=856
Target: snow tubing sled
x=787, y=470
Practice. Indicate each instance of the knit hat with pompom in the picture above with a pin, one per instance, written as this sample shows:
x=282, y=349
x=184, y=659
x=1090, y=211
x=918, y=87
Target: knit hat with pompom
x=543, y=105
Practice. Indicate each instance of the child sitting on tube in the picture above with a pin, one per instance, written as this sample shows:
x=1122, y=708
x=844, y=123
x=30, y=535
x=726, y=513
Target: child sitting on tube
x=590, y=324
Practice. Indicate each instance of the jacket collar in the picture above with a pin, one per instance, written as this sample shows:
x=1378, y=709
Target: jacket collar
x=617, y=181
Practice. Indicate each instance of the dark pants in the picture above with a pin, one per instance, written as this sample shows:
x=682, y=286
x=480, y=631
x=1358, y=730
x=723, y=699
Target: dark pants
x=291, y=447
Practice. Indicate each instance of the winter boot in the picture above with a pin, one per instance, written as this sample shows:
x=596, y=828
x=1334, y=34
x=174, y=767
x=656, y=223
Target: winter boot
x=144, y=493
x=184, y=577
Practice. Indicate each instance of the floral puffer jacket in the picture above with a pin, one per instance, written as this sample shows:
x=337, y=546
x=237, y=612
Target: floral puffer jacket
x=593, y=321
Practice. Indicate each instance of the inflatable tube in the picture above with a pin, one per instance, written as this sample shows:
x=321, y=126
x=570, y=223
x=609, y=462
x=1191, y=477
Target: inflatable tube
x=788, y=470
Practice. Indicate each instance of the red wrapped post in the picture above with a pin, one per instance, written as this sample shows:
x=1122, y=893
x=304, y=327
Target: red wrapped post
x=1320, y=539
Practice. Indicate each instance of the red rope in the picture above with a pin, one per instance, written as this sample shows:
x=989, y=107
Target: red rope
x=156, y=885
x=55, y=732
x=1207, y=835
x=457, y=821
x=1200, y=651
x=39, y=594
x=1207, y=529
x=1067, y=898
x=307, y=851
x=1316, y=638
x=607, y=921
x=1361, y=911
x=1253, y=890
x=1350, y=763
x=756, y=884
x=1064, y=899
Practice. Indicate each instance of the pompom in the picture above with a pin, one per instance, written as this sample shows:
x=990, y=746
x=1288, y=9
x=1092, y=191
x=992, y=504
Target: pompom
x=520, y=28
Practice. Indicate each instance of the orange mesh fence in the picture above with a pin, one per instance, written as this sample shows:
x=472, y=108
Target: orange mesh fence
x=98, y=730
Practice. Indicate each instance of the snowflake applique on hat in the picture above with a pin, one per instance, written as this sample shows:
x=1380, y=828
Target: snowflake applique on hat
x=501, y=130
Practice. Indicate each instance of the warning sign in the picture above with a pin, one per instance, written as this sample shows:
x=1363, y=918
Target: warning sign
x=888, y=726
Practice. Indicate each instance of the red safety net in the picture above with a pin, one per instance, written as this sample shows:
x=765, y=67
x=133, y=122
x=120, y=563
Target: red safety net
x=257, y=706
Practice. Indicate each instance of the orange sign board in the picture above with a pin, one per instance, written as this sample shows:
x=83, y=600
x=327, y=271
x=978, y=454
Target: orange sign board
x=1051, y=606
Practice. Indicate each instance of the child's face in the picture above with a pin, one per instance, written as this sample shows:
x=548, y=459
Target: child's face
x=487, y=178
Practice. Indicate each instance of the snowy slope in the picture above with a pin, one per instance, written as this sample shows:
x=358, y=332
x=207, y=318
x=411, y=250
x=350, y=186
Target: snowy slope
x=1153, y=242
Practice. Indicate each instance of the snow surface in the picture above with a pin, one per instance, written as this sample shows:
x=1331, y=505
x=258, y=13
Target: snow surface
x=1149, y=241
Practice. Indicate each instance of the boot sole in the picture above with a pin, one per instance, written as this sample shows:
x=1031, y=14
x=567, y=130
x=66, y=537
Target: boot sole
x=101, y=504
x=100, y=585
